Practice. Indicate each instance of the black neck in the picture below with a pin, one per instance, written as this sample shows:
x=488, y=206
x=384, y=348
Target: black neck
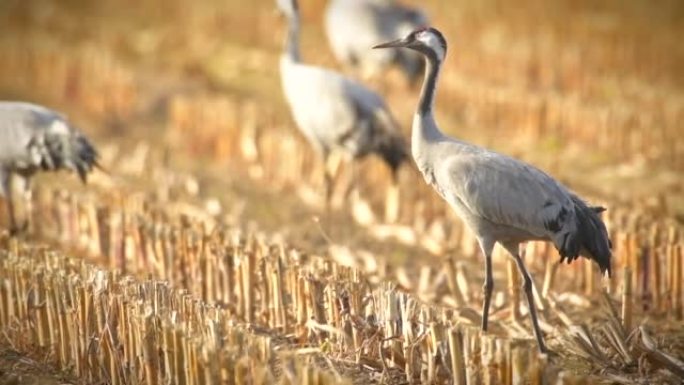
x=292, y=40
x=427, y=94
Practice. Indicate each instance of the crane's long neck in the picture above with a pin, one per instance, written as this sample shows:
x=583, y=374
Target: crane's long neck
x=427, y=93
x=292, y=39
x=425, y=128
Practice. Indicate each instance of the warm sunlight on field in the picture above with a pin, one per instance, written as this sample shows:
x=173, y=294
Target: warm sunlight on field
x=204, y=253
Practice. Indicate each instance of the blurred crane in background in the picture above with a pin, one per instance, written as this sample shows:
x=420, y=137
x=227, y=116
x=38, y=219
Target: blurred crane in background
x=336, y=113
x=32, y=139
x=354, y=26
x=501, y=199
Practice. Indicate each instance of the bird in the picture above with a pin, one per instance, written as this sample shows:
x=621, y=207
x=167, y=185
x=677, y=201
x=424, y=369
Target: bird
x=501, y=199
x=353, y=26
x=334, y=112
x=34, y=138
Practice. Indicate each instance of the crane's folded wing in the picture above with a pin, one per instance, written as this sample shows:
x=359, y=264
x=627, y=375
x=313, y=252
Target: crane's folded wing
x=507, y=192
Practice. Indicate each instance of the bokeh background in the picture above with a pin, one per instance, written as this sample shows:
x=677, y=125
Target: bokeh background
x=183, y=98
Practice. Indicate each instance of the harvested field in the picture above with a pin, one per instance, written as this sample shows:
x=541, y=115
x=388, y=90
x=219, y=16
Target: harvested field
x=203, y=255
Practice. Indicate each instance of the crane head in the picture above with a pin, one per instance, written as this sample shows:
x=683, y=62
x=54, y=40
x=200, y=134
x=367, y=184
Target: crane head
x=428, y=41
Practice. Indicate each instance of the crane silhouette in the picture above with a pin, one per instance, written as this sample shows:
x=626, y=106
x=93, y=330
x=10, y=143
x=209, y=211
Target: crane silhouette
x=353, y=26
x=32, y=139
x=336, y=113
x=501, y=199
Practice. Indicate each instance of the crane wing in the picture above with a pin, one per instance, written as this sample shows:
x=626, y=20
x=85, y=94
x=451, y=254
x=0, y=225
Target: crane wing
x=377, y=130
x=507, y=192
x=369, y=106
x=20, y=125
x=35, y=137
x=334, y=111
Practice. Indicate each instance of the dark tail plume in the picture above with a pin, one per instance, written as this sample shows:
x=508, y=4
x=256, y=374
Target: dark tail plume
x=591, y=239
x=72, y=151
x=393, y=150
x=84, y=157
x=388, y=141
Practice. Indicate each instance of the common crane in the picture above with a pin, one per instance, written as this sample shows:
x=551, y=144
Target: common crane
x=501, y=199
x=34, y=138
x=353, y=26
x=334, y=112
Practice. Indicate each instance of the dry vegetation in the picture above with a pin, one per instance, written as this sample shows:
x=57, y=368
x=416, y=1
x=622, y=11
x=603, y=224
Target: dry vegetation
x=200, y=260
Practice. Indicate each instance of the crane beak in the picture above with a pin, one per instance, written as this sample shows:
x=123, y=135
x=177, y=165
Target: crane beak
x=392, y=44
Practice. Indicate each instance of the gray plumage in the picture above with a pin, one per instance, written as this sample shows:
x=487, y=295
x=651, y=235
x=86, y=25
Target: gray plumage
x=334, y=112
x=33, y=139
x=501, y=199
x=353, y=26
x=507, y=201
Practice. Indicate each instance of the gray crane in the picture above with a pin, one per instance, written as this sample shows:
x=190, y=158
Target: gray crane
x=333, y=112
x=501, y=199
x=34, y=138
x=353, y=26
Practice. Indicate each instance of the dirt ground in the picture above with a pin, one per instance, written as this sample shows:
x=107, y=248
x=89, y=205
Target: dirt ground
x=25, y=369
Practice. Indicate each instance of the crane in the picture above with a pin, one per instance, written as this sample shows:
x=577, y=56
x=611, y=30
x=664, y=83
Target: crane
x=32, y=139
x=353, y=26
x=501, y=199
x=336, y=113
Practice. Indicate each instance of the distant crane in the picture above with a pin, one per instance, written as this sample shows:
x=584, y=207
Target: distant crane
x=353, y=26
x=499, y=198
x=334, y=112
x=34, y=138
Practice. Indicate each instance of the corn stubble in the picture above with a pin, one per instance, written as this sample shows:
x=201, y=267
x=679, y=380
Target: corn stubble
x=162, y=294
x=156, y=290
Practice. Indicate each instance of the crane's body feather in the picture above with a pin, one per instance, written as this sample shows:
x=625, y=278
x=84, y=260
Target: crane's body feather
x=334, y=112
x=353, y=26
x=35, y=139
x=507, y=200
x=500, y=198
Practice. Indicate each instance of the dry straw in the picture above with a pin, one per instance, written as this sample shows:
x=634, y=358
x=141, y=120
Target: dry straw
x=250, y=294
x=227, y=306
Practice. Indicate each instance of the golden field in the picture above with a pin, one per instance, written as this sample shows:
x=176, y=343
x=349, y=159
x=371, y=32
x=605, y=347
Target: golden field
x=203, y=255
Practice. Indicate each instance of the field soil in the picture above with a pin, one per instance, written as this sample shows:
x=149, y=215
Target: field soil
x=25, y=369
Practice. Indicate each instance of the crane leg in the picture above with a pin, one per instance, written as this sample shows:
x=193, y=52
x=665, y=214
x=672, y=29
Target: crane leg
x=352, y=188
x=328, y=180
x=331, y=168
x=392, y=199
x=28, y=203
x=527, y=287
x=6, y=191
x=13, y=228
x=328, y=190
x=487, y=248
